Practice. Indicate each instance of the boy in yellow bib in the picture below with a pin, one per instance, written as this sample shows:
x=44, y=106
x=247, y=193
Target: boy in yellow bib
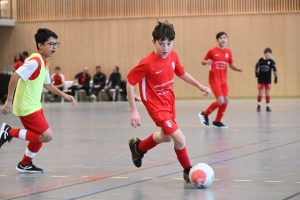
x=29, y=81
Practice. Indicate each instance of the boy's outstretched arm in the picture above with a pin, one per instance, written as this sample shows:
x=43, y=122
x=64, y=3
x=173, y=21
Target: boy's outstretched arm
x=134, y=115
x=235, y=68
x=11, y=89
x=189, y=79
x=50, y=87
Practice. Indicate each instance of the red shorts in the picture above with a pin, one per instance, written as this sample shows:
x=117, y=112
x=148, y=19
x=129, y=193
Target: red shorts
x=267, y=86
x=35, y=121
x=166, y=121
x=219, y=89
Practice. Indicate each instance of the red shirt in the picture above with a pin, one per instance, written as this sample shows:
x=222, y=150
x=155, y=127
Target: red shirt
x=155, y=76
x=18, y=64
x=82, y=79
x=218, y=69
x=57, y=79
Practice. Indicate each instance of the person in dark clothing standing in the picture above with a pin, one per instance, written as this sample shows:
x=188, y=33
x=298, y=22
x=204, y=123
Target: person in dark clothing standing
x=263, y=72
x=113, y=83
x=81, y=82
x=98, y=83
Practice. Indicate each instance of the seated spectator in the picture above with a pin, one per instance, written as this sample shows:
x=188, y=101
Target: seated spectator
x=113, y=83
x=98, y=83
x=82, y=82
x=58, y=81
x=18, y=61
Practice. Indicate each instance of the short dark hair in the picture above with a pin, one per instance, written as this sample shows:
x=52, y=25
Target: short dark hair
x=220, y=34
x=163, y=31
x=268, y=50
x=98, y=67
x=25, y=53
x=21, y=57
x=57, y=68
x=117, y=68
x=42, y=35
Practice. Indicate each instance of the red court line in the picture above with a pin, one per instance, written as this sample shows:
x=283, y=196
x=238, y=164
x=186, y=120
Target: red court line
x=84, y=179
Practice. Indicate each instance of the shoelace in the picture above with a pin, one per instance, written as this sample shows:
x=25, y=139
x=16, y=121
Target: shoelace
x=6, y=135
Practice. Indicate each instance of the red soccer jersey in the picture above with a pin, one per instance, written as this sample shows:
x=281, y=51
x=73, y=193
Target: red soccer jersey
x=155, y=76
x=220, y=59
x=18, y=64
x=57, y=79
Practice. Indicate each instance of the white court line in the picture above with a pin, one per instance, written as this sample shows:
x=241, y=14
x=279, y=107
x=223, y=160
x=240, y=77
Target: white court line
x=3, y=175
x=273, y=181
x=177, y=178
x=84, y=176
x=216, y=179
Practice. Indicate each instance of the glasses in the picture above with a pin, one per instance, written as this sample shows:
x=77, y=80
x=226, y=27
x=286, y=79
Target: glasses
x=53, y=44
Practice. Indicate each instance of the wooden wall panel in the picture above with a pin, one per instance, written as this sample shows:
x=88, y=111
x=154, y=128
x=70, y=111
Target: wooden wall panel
x=41, y=10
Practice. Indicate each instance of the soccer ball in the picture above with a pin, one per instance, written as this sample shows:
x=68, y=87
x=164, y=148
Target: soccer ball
x=201, y=175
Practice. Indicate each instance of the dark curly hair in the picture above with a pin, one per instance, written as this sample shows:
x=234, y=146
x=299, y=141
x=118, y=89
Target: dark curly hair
x=163, y=31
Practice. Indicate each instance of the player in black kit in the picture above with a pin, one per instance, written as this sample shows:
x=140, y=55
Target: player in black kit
x=263, y=70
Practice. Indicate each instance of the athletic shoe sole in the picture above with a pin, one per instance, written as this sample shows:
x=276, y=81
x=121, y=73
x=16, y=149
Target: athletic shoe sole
x=27, y=171
x=200, y=117
x=221, y=127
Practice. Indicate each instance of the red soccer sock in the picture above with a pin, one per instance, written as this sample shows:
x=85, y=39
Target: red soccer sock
x=259, y=99
x=25, y=134
x=221, y=112
x=268, y=99
x=31, y=151
x=211, y=108
x=183, y=158
x=147, y=144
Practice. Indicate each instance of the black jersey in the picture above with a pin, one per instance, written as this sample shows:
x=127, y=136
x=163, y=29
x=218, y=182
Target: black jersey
x=263, y=70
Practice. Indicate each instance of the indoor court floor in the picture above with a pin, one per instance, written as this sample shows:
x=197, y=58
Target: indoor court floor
x=258, y=157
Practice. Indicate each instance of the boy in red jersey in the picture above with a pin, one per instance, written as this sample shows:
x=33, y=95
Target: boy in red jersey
x=58, y=80
x=155, y=75
x=218, y=58
x=29, y=80
x=263, y=72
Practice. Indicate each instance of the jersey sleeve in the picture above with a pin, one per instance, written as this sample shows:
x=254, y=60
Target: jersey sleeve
x=26, y=70
x=47, y=78
x=138, y=73
x=230, y=58
x=62, y=78
x=208, y=55
x=274, y=67
x=179, y=69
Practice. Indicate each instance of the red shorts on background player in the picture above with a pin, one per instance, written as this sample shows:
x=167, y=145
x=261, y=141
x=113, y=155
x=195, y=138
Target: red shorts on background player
x=155, y=75
x=218, y=58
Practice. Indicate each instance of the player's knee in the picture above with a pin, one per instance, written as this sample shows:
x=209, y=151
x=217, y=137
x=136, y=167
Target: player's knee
x=47, y=137
x=167, y=139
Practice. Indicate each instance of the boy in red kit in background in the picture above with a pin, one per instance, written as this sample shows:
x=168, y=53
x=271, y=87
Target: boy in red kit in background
x=29, y=80
x=263, y=72
x=218, y=58
x=58, y=80
x=155, y=75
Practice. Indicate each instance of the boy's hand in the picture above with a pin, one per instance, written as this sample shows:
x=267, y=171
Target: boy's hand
x=135, y=119
x=206, y=90
x=208, y=62
x=70, y=98
x=7, y=107
x=240, y=69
